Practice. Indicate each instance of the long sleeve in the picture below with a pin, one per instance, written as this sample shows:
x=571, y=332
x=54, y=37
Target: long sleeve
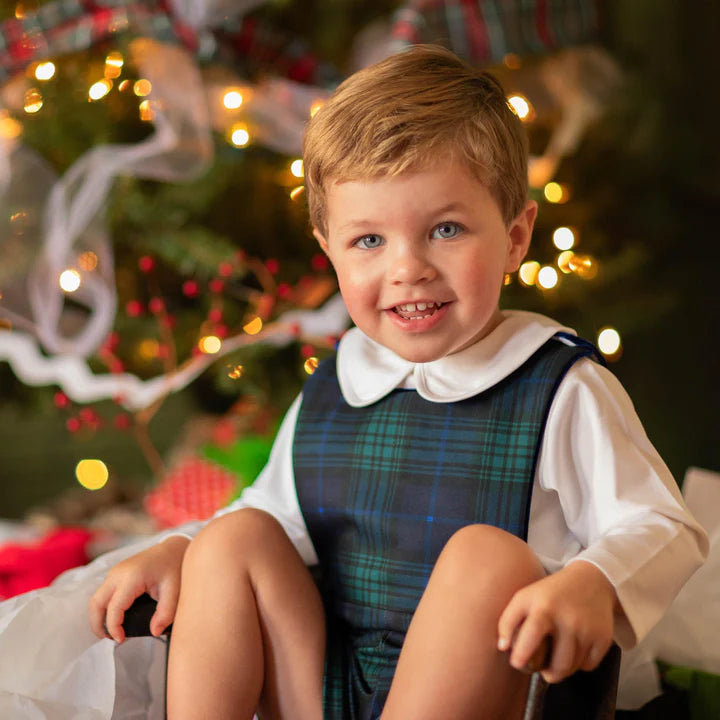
x=604, y=495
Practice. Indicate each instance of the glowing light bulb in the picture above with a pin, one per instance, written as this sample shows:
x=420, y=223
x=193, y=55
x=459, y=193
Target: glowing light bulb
x=142, y=87
x=297, y=169
x=296, y=192
x=99, y=89
x=9, y=127
x=608, y=341
x=92, y=474
x=563, y=238
x=317, y=104
x=564, y=261
x=547, y=277
x=254, y=326
x=232, y=99
x=239, y=136
x=145, y=109
x=236, y=372
x=33, y=101
x=521, y=107
x=311, y=365
x=210, y=344
x=69, y=280
x=528, y=272
x=556, y=193
x=584, y=266
x=113, y=64
x=45, y=70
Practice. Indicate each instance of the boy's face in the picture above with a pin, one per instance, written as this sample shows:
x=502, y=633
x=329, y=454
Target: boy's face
x=421, y=257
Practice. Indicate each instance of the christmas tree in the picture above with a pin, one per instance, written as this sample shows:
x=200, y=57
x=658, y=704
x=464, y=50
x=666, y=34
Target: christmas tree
x=161, y=291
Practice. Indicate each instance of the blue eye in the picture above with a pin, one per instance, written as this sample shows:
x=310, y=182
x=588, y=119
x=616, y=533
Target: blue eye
x=446, y=230
x=369, y=242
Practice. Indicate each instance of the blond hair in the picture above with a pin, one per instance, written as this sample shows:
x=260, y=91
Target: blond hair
x=408, y=112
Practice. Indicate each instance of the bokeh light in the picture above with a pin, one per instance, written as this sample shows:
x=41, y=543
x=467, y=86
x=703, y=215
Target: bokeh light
x=92, y=474
x=563, y=238
x=210, y=344
x=70, y=280
x=609, y=342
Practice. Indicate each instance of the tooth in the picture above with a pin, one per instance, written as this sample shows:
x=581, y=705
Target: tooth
x=410, y=307
x=421, y=306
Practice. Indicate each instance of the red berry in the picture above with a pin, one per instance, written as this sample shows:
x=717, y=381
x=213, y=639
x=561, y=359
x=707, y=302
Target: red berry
x=307, y=351
x=225, y=269
x=156, y=305
x=72, y=424
x=134, y=308
x=61, y=400
x=215, y=315
x=272, y=266
x=146, y=263
x=319, y=262
x=121, y=421
x=216, y=285
x=190, y=288
x=284, y=290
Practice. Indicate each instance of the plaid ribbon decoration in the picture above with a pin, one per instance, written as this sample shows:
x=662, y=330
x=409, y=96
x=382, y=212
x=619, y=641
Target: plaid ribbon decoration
x=71, y=25
x=484, y=31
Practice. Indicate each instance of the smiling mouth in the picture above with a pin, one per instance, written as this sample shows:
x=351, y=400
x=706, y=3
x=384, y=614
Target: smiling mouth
x=417, y=311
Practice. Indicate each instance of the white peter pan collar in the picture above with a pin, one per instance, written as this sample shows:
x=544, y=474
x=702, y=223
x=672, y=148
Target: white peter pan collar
x=367, y=371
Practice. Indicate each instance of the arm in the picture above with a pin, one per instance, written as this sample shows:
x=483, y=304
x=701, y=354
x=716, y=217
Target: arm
x=606, y=515
x=156, y=570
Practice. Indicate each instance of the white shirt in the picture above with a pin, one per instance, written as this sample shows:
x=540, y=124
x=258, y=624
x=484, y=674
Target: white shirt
x=601, y=491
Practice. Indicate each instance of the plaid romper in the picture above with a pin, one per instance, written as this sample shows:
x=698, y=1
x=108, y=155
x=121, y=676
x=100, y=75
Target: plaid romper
x=382, y=488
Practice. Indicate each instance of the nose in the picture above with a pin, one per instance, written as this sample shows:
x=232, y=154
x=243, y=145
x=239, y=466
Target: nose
x=409, y=264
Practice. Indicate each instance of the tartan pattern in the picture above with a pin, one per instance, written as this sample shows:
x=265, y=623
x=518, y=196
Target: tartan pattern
x=484, y=31
x=382, y=489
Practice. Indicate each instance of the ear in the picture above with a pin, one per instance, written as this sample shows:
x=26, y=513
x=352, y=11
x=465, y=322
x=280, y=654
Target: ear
x=519, y=235
x=321, y=240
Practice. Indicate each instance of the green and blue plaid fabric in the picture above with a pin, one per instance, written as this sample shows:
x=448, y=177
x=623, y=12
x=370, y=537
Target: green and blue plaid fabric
x=382, y=489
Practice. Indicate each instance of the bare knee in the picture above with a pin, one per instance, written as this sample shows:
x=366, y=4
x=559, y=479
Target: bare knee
x=234, y=540
x=487, y=556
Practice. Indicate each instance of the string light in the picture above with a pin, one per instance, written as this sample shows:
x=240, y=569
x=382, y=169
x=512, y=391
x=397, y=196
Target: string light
x=33, y=101
x=563, y=238
x=296, y=192
x=113, y=64
x=564, y=261
x=210, y=344
x=232, y=99
x=45, y=71
x=10, y=128
x=236, y=372
x=69, y=280
x=609, y=342
x=521, y=107
x=239, y=136
x=528, y=272
x=297, y=168
x=88, y=261
x=556, y=193
x=584, y=266
x=547, y=277
x=311, y=365
x=99, y=89
x=142, y=87
x=92, y=474
x=145, y=109
x=254, y=326
x=317, y=104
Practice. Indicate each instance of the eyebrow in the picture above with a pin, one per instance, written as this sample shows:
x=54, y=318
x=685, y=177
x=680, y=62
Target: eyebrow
x=362, y=224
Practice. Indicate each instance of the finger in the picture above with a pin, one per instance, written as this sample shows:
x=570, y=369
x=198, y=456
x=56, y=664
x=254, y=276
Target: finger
x=595, y=654
x=510, y=621
x=97, y=606
x=529, y=638
x=565, y=658
x=165, y=611
x=120, y=602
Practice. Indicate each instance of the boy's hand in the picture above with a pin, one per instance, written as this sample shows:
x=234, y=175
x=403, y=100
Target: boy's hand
x=575, y=607
x=155, y=571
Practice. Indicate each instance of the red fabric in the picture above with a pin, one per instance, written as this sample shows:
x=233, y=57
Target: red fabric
x=192, y=491
x=30, y=565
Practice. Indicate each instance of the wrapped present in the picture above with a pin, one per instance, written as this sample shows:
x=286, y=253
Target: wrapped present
x=194, y=490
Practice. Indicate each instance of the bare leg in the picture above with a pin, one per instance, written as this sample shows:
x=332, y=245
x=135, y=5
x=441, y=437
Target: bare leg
x=249, y=633
x=449, y=665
